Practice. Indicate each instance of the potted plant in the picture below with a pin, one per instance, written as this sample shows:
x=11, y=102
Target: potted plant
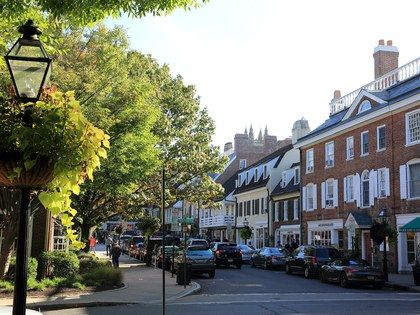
x=51, y=147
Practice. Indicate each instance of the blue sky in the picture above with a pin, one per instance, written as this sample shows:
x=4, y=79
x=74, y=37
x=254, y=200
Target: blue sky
x=271, y=62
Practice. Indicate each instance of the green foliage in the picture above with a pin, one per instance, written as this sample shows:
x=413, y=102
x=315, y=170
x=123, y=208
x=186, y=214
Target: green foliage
x=89, y=263
x=6, y=286
x=60, y=264
x=148, y=225
x=246, y=233
x=103, y=277
x=380, y=230
x=32, y=268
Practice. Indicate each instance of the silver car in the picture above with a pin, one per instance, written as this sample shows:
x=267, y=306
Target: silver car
x=246, y=252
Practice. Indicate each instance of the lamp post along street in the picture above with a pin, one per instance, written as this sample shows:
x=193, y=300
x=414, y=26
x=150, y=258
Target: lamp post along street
x=30, y=67
x=163, y=242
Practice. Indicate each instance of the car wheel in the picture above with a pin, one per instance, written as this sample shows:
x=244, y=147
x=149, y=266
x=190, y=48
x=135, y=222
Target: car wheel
x=288, y=269
x=239, y=266
x=378, y=286
x=307, y=272
x=212, y=274
x=322, y=277
x=344, y=282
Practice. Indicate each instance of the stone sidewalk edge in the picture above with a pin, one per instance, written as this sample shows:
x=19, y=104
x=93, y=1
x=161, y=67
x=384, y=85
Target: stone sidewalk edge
x=195, y=287
x=400, y=287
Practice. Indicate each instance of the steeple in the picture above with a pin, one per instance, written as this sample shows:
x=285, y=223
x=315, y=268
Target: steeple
x=251, y=133
x=265, y=131
x=246, y=131
x=260, y=136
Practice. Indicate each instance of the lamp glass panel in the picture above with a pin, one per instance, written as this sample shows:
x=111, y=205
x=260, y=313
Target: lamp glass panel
x=28, y=76
x=29, y=49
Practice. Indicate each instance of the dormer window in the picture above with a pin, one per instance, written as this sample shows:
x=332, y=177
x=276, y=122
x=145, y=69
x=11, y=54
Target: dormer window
x=247, y=177
x=265, y=171
x=242, y=164
x=256, y=175
x=283, y=179
x=364, y=106
x=297, y=176
x=239, y=180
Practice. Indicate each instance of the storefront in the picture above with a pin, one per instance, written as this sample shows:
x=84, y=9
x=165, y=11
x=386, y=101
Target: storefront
x=326, y=232
x=287, y=234
x=408, y=226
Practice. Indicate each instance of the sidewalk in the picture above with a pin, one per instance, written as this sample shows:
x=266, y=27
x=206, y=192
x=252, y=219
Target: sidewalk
x=142, y=285
x=402, y=282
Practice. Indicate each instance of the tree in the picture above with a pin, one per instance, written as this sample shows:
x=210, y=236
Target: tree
x=149, y=226
x=246, y=233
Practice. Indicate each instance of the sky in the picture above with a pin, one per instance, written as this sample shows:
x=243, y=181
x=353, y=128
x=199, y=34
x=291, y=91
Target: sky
x=272, y=62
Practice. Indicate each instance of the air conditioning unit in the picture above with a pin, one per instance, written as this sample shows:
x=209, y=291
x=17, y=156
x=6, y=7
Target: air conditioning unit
x=309, y=169
x=329, y=203
x=329, y=163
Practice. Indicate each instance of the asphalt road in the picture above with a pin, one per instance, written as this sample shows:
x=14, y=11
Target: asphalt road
x=255, y=291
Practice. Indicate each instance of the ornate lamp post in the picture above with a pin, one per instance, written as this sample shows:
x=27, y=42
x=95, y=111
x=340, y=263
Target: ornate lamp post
x=30, y=67
x=246, y=225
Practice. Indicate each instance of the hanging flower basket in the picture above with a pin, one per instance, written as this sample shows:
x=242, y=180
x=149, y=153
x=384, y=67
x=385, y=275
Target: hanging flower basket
x=13, y=172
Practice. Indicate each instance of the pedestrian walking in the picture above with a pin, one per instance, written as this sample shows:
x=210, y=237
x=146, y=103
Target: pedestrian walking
x=288, y=248
x=115, y=254
x=108, y=244
x=92, y=244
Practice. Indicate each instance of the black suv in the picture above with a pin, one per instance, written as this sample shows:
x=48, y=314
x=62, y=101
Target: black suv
x=309, y=259
x=227, y=254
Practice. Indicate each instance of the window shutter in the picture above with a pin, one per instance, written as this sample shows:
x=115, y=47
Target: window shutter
x=375, y=183
x=335, y=189
x=403, y=181
x=323, y=195
x=315, y=195
x=303, y=198
x=281, y=211
x=387, y=185
x=371, y=187
x=345, y=189
x=356, y=188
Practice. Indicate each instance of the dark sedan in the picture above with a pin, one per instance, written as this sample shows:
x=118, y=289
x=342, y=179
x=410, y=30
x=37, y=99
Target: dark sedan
x=200, y=259
x=269, y=257
x=352, y=271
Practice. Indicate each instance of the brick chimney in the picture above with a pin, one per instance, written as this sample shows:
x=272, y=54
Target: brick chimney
x=385, y=57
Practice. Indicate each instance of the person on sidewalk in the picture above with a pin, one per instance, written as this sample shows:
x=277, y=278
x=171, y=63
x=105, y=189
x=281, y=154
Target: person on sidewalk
x=115, y=254
x=92, y=243
x=108, y=244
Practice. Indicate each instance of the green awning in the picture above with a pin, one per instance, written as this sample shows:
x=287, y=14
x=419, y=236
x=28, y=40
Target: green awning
x=412, y=226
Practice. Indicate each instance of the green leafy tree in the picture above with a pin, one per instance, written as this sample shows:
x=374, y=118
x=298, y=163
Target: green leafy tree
x=246, y=233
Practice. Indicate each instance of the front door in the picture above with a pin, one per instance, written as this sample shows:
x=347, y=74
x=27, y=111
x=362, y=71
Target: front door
x=367, y=243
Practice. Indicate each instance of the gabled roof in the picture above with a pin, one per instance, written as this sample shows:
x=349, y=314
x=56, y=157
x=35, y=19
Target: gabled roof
x=290, y=187
x=278, y=153
x=252, y=185
x=228, y=186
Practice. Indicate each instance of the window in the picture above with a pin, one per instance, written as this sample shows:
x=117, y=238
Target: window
x=329, y=154
x=239, y=180
x=364, y=143
x=412, y=127
x=350, y=148
x=286, y=210
x=283, y=179
x=242, y=164
x=321, y=238
x=297, y=176
x=381, y=183
x=247, y=178
x=380, y=138
x=310, y=197
x=365, y=189
x=309, y=161
x=364, y=106
x=256, y=175
x=265, y=171
x=414, y=180
x=349, y=188
x=248, y=207
x=257, y=206
x=329, y=194
x=296, y=209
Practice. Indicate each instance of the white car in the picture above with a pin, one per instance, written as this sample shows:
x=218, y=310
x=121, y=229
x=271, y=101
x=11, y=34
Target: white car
x=8, y=310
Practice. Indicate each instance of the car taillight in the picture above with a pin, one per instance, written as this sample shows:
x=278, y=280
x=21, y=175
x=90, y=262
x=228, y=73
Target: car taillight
x=350, y=270
x=314, y=260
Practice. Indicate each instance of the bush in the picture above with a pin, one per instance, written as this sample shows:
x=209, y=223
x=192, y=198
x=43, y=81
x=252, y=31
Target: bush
x=89, y=264
x=32, y=268
x=33, y=284
x=103, y=277
x=60, y=264
x=6, y=286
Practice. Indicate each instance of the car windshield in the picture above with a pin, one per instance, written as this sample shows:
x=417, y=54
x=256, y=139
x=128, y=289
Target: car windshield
x=227, y=246
x=356, y=262
x=275, y=251
x=199, y=252
x=327, y=253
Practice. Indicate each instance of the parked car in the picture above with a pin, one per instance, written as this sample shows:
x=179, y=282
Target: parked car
x=309, y=259
x=158, y=256
x=246, y=252
x=227, y=254
x=269, y=257
x=124, y=241
x=200, y=258
x=348, y=271
x=136, y=242
x=197, y=242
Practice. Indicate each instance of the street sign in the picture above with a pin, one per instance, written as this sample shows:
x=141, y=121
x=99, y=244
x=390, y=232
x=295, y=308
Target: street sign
x=186, y=220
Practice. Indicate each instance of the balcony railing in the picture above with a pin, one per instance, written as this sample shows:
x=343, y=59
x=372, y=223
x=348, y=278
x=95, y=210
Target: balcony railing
x=391, y=78
x=216, y=221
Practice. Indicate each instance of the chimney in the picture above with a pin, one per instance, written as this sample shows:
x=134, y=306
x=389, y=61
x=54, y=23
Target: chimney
x=337, y=94
x=300, y=129
x=385, y=57
x=228, y=146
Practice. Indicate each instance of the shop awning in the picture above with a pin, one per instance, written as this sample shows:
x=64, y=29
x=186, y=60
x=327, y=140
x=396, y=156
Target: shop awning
x=412, y=226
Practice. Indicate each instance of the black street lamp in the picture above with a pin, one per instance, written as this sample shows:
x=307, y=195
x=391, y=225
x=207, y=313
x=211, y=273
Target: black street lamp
x=28, y=63
x=30, y=67
x=384, y=216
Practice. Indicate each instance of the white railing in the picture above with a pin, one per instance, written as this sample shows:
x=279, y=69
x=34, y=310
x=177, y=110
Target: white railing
x=61, y=243
x=391, y=78
x=217, y=220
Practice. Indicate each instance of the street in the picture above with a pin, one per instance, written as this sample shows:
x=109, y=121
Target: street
x=256, y=291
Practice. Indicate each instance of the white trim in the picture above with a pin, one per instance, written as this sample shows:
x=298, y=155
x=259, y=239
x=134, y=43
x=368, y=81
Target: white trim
x=406, y=128
x=361, y=143
x=310, y=169
x=329, y=163
x=377, y=138
x=365, y=119
x=385, y=48
x=348, y=158
x=356, y=102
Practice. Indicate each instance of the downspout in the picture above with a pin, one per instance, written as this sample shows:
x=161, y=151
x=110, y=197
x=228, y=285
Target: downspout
x=300, y=200
x=268, y=217
x=236, y=221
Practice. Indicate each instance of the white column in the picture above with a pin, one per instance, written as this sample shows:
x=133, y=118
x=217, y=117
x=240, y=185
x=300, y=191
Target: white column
x=334, y=237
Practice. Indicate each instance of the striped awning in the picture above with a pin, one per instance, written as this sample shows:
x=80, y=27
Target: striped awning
x=412, y=226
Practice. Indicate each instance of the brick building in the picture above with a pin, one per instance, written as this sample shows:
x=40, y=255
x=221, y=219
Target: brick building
x=364, y=162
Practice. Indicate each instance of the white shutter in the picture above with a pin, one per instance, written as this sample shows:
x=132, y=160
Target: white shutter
x=303, y=198
x=403, y=181
x=315, y=195
x=371, y=187
x=345, y=190
x=335, y=189
x=323, y=195
x=356, y=188
x=375, y=183
x=387, y=185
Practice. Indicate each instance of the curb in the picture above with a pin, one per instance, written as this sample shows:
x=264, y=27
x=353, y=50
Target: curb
x=195, y=287
x=400, y=287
